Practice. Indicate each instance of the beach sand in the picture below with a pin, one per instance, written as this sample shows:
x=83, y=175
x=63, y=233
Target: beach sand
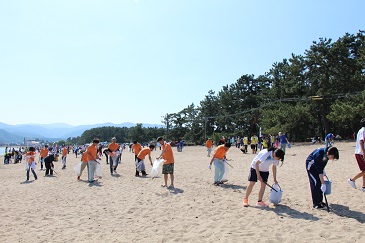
x=124, y=208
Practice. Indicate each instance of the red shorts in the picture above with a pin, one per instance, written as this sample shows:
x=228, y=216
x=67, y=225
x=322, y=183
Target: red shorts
x=360, y=161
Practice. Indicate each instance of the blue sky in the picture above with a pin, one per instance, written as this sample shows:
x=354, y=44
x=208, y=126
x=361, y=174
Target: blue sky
x=95, y=61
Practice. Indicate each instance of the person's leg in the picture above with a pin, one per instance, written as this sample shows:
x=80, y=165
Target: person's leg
x=116, y=163
x=216, y=170
x=261, y=191
x=172, y=179
x=165, y=179
x=63, y=162
x=47, y=168
x=143, y=168
x=315, y=186
x=34, y=174
x=360, y=161
x=42, y=160
x=222, y=170
x=283, y=146
x=111, y=163
x=91, y=170
x=249, y=189
x=357, y=176
x=28, y=174
x=83, y=166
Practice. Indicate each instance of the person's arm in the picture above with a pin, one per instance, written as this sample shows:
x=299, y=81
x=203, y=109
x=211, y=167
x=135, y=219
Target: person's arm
x=274, y=173
x=213, y=157
x=162, y=153
x=362, y=149
x=258, y=171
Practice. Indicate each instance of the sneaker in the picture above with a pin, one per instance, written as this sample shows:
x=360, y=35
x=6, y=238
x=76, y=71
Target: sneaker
x=78, y=178
x=261, y=204
x=352, y=183
x=363, y=189
x=245, y=202
x=319, y=205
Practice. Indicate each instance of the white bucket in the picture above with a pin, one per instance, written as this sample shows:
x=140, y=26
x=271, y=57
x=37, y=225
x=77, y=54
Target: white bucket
x=275, y=196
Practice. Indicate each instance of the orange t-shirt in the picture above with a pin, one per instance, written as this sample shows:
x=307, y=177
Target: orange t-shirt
x=142, y=155
x=168, y=155
x=64, y=151
x=209, y=143
x=113, y=147
x=91, y=152
x=31, y=159
x=136, y=148
x=44, y=152
x=220, y=152
x=84, y=157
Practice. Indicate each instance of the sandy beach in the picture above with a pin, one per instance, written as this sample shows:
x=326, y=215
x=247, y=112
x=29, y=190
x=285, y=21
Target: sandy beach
x=125, y=208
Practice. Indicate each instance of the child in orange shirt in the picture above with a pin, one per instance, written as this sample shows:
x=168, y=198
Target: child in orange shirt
x=218, y=158
x=29, y=157
x=168, y=165
x=64, y=156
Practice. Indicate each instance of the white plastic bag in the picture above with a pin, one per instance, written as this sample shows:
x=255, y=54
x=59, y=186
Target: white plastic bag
x=156, y=168
x=98, y=170
x=77, y=168
x=226, y=172
x=275, y=196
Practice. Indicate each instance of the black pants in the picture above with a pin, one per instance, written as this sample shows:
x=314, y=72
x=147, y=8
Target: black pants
x=315, y=186
x=49, y=171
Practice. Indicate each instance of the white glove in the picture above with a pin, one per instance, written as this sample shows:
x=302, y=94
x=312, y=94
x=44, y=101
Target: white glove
x=210, y=166
x=323, y=188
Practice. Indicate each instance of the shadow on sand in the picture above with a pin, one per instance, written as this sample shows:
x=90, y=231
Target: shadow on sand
x=233, y=187
x=94, y=183
x=175, y=190
x=286, y=211
x=344, y=211
x=27, y=182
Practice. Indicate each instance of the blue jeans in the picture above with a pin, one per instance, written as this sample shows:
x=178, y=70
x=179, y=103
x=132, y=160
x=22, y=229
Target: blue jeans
x=283, y=146
x=113, y=163
x=34, y=174
x=218, y=170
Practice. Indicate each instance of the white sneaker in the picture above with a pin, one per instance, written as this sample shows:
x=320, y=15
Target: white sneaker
x=352, y=183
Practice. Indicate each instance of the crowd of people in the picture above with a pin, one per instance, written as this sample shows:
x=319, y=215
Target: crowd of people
x=270, y=152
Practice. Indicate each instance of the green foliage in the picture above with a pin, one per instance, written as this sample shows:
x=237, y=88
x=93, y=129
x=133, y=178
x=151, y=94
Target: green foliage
x=280, y=100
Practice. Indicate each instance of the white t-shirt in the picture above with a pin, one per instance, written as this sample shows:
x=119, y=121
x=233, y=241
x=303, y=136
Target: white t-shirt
x=266, y=158
x=360, y=136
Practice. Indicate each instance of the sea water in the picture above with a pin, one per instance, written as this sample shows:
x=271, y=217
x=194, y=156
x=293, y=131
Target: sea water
x=2, y=150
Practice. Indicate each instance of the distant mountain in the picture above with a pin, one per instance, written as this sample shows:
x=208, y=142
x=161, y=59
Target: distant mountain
x=16, y=133
x=6, y=137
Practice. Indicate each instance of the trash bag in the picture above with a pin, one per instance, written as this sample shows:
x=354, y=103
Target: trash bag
x=226, y=172
x=275, y=196
x=77, y=168
x=98, y=170
x=156, y=168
